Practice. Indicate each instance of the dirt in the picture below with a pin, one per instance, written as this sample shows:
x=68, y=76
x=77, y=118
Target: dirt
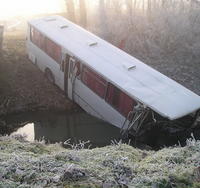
x=23, y=87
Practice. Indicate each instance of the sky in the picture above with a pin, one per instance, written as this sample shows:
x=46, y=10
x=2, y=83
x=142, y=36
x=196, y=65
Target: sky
x=13, y=8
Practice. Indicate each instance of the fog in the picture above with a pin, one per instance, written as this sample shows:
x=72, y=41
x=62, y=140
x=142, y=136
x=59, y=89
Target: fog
x=22, y=8
x=161, y=33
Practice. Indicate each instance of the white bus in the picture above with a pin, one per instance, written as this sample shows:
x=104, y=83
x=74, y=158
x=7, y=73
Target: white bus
x=104, y=80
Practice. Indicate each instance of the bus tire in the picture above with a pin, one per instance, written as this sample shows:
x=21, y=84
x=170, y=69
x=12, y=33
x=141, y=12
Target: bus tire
x=49, y=75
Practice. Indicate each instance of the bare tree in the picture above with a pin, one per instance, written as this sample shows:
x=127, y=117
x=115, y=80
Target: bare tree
x=143, y=6
x=83, y=13
x=70, y=10
x=102, y=18
x=197, y=2
x=149, y=7
x=129, y=4
x=135, y=5
x=1, y=36
x=163, y=3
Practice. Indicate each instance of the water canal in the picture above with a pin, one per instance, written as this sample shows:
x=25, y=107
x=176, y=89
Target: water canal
x=81, y=127
x=59, y=127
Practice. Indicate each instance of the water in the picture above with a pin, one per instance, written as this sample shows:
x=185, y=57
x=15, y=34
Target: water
x=79, y=126
x=59, y=127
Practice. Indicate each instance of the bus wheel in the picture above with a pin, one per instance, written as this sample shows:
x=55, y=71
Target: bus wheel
x=49, y=75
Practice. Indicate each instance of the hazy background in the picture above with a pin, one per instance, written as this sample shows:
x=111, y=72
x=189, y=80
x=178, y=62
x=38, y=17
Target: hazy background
x=163, y=33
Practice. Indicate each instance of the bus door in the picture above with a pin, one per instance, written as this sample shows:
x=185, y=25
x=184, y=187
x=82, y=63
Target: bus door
x=70, y=72
x=66, y=71
x=71, y=77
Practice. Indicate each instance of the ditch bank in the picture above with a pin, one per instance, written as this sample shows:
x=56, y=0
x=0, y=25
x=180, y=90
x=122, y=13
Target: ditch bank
x=22, y=86
x=34, y=164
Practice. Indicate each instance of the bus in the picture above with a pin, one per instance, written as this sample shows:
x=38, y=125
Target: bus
x=104, y=80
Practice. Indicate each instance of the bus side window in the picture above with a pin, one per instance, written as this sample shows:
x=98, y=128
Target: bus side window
x=119, y=100
x=45, y=44
x=94, y=81
x=53, y=50
x=42, y=42
x=126, y=104
x=37, y=38
x=113, y=96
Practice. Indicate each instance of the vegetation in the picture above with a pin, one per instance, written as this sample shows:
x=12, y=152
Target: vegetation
x=161, y=33
x=26, y=164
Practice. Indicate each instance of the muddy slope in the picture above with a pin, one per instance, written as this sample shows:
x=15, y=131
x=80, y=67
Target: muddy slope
x=22, y=86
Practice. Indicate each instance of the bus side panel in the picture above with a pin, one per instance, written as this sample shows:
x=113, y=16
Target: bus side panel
x=95, y=105
x=43, y=61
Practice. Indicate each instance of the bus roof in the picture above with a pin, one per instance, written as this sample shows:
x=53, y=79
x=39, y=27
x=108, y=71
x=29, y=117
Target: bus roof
x=143, y=83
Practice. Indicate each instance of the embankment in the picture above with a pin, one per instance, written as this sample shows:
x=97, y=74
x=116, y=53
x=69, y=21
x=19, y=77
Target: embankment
x=26, y=164
x=22, y=86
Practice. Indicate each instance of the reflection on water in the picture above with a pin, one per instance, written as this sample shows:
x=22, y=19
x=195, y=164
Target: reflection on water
x=27, y=130
x=79, y=126
x=61, y=127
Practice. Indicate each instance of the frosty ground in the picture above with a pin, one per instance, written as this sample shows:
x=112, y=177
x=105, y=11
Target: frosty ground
x=25, y=164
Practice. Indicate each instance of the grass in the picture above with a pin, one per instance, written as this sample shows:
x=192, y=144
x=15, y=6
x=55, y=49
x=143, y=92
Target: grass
x=26, y=164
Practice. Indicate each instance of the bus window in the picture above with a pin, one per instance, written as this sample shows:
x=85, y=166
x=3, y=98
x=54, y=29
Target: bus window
x=119, y=100
x=45, y=44
x=113, y=96
x=53, y=50
x=94, y=81
x=37, y=38
x=126, y=104
x=42, y=44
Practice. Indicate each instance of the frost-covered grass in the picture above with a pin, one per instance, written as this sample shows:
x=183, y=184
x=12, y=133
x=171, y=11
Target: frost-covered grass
x=25, y=164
